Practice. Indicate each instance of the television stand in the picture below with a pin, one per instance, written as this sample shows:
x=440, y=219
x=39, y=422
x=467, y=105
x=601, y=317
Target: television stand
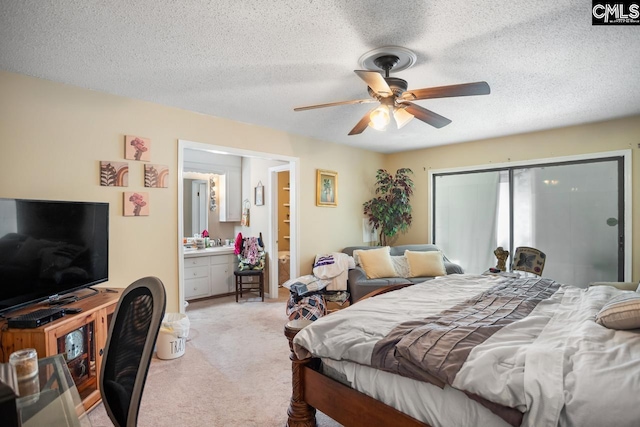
x=82, y=337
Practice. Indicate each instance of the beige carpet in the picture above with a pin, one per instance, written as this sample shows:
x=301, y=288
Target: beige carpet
x=235, y=370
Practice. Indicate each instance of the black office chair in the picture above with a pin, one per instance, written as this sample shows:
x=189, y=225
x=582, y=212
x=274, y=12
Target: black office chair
x=127, y=355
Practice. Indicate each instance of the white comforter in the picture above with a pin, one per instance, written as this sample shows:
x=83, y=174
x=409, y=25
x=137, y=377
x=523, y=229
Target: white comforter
x=557, y=365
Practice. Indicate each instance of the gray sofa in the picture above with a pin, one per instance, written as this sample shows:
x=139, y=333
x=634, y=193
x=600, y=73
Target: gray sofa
x=359, y=285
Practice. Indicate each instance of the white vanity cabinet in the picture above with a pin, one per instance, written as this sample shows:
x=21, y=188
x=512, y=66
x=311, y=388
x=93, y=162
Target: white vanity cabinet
x=209, y=272
x=221, y=274
x=196, y=277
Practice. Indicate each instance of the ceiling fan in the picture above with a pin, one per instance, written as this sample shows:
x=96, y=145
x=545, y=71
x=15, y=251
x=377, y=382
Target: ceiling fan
x=396, y=100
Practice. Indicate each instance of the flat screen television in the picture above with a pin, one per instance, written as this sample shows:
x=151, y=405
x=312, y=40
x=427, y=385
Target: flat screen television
x=50, y=248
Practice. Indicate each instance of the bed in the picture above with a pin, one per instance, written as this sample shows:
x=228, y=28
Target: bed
x=522, y=350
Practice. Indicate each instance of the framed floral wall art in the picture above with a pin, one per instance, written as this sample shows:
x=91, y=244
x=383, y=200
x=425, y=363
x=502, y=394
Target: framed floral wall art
x=327, y=188
x=136, y=203
x=137, y=148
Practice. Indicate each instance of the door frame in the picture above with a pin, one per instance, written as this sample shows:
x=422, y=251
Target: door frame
x=273, y=228
x=294, y=194
x=627, y=176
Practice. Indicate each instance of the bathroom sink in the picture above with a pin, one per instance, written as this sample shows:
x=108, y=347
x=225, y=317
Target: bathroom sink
x=213, y=249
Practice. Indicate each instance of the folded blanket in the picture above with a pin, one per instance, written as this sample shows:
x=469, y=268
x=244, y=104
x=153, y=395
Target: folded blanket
x=334, y=267
x=304, y=285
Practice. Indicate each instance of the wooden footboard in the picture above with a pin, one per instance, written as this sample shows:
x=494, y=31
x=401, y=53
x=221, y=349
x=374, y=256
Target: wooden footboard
x=300, y=413
x=313, y=390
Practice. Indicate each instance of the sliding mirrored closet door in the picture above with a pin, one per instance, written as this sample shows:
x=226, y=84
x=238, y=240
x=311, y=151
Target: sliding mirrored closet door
x=572, y=211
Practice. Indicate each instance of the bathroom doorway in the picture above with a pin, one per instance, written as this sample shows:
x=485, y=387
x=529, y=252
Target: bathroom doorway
x=288, y=163
x=280, y=181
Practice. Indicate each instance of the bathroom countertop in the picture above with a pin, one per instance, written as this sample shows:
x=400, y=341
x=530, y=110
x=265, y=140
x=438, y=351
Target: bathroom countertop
x=188, y=253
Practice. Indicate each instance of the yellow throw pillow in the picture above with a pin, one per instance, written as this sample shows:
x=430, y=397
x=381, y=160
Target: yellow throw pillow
x=425, y=263
x=377, y=263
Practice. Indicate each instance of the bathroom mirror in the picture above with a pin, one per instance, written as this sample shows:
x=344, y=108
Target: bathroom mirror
x=195, y=205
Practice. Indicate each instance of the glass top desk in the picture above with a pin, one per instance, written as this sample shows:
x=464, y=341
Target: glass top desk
x=58, y=403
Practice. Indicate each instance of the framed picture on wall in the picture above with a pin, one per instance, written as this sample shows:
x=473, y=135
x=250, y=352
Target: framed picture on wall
x=137, y=148
x=135, y=203
x=114, y=174
x=156, y=176
x=327, y=188
x=259, y=195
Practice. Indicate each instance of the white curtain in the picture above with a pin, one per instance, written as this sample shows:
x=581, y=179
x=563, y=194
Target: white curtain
x=466, y=217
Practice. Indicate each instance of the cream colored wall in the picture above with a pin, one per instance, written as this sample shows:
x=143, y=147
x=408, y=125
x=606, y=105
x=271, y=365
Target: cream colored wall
x=53, y=136
x=253, y=172
x=590, y=138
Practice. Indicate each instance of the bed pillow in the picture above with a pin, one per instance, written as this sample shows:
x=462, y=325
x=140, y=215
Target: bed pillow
x=621, y=312
x=376, y=263
x=356, y=256
x=425, y=263
x=401, y=265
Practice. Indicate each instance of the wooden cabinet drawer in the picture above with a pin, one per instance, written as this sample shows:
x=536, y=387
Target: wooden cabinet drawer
x=194, y=272
x=194, y=288
x=196, y=261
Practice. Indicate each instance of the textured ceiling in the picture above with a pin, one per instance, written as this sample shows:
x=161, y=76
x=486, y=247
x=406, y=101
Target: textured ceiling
x=254, y=61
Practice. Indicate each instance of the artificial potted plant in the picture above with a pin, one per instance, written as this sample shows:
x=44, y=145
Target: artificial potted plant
x=390, y=212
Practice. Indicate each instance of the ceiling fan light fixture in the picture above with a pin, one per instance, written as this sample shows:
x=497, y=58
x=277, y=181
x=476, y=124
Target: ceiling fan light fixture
x=380, y=118
x=393, y=94
x=402, y=116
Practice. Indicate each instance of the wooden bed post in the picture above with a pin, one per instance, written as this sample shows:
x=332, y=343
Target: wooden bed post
x=300, y=413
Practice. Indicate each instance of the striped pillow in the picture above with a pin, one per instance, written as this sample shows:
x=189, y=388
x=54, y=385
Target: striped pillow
x=621, y=312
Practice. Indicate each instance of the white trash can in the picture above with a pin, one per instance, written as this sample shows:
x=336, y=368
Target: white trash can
x=172, y=337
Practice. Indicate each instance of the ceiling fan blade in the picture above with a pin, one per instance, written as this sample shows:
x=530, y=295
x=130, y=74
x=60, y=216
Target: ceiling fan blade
x=375, y=81
x=427, y=116
x=402, y=116
x=362, y=124
x=466, y=89
x=333, y=104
